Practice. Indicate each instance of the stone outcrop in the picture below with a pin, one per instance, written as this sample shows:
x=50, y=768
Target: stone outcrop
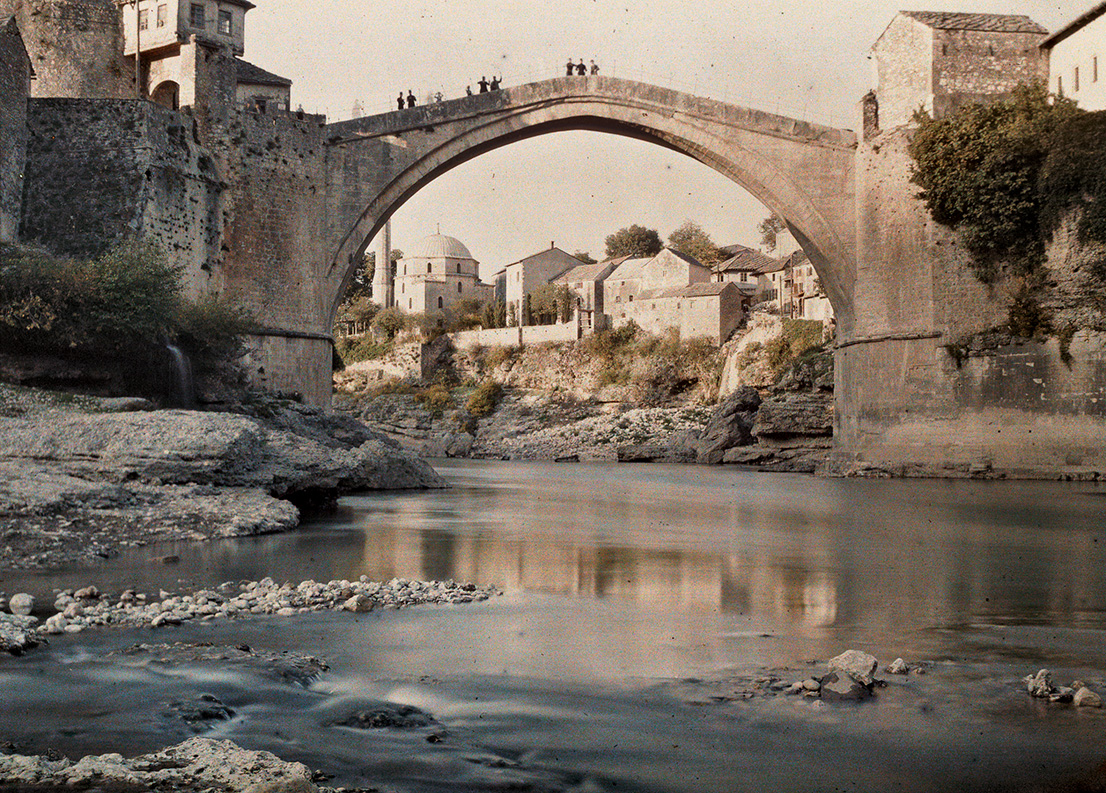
x=195, y=765
x=78, y=485
x=730, y=425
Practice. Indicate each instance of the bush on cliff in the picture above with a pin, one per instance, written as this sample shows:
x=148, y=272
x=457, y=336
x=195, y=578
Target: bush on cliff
x=125, y=305
x=484, y=399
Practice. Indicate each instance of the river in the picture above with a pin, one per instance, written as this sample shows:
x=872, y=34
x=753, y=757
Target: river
x=639, y=603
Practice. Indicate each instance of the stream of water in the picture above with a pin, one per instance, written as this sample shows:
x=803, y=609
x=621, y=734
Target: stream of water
x=639, y=601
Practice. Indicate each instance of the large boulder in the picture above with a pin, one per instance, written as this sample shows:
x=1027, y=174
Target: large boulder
x=794, y=415
x=729, y=426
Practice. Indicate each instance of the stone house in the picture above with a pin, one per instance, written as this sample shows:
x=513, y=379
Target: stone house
x=586, y=281
x=526, y=275
x=710, y=310
x=668, y=269
x=438, y=272
x=262, y=91
x=15, y=87
x=1073, y=53
x=805, y=298
x=938, y=60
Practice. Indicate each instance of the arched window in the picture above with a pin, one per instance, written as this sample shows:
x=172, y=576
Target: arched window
x=410, y=304
x=430, y=267
x=439, y=301
x=459, y=287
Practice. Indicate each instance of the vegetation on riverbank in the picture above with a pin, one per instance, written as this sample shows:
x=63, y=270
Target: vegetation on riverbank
x=125, y=306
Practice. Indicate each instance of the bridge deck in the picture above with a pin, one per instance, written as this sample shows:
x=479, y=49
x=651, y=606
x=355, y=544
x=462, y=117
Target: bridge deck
x=569, y=89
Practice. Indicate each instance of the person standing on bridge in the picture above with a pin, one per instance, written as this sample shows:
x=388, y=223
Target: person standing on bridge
x=570, y=67
x=495, y=83
x=594, y=68
x=410, y=98
x=581, y=69
x=400, y=100
x=483, y=84
x=468, y=90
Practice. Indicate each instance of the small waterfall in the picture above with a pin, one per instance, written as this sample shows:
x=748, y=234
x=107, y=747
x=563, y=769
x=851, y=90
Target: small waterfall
x=182, y=392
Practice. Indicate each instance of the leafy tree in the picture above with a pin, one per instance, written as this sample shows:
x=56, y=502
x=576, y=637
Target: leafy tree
x=389, y=321
x=550, y=303
x=979, y=169
x=769, y=229
x=584, y=256
x=690, y=238
x=636, y=241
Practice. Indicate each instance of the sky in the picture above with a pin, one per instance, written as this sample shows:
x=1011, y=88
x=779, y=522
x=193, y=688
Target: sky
x=802, y=58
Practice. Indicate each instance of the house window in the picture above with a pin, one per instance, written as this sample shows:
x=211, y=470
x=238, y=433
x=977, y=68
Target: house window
x=1059, y=84
x=226, y=23
x=944, y=49
x=631, y=298
x=162, y=15
x=1075, y=81
x=196, y=16
x=144, y=19
x=1094, y=69
x=402, y=288
x=410, y=304
x=459, y=287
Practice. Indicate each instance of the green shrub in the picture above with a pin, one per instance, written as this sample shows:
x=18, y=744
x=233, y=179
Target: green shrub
x=389, y=321
x=212, y=328
x=484, y=399
x=362, y=348
x=436, y=398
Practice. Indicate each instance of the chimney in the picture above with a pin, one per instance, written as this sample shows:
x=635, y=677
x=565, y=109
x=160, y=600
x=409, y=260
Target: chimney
x=551, y=245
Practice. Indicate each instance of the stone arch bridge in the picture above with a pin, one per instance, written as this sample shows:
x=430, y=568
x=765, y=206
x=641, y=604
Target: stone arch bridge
x=898, y=282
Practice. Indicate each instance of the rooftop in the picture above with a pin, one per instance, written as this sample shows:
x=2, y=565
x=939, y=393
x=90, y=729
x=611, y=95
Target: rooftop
x=439, y=246
x=995, y=23
x=255, y=75
x=744, y=258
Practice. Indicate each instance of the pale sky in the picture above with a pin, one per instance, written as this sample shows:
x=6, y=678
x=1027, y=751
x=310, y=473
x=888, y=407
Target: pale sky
x=802, y=58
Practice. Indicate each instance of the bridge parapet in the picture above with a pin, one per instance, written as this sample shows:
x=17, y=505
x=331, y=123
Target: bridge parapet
x=608, y=89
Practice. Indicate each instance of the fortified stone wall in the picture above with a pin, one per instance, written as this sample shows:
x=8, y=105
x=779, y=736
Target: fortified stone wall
x=141, y=173
x=904, y=402
x=76, y=47
x=14, y=87
x=903, y=70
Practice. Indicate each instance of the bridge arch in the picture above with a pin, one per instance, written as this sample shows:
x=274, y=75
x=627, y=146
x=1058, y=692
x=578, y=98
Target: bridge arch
x=800, y=171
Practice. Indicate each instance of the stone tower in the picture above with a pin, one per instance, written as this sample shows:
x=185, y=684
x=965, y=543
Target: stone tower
x=76, y=47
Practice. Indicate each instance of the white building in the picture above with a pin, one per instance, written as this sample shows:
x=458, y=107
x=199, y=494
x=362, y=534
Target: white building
x=438, y=272
x=1073, y=54
x=526, y=275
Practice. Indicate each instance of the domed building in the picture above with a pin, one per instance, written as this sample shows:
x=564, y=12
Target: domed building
x=436, y=274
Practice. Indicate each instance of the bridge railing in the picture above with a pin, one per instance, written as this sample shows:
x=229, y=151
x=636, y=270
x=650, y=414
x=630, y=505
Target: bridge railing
x=744, y=95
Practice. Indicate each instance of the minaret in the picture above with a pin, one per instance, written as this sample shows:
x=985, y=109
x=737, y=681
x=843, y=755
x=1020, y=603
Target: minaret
x=383, y=284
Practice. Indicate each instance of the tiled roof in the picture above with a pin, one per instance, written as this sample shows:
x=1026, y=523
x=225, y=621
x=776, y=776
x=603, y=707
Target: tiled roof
x=744, y=258
x=589, y=272
x=996, y=23
x=255, y=75
x=705, y=289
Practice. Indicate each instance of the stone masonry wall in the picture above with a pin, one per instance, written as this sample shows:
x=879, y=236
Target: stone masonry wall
x=14, y=86
x=978, y=66
x=76, y=47
x=142, y=174
x=903, y=70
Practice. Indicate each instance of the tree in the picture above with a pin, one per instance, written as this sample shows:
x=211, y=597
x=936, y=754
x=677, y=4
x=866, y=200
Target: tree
x=769, y=229
x=691, y=239
x=636, y=241
x=389, y=321
x=550, y=304
x=584, y=256
x=362, y=282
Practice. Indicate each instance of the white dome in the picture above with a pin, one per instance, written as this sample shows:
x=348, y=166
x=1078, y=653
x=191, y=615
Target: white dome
x=439, y=246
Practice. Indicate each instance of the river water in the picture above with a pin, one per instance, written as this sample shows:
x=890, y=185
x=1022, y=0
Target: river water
x=639, y=603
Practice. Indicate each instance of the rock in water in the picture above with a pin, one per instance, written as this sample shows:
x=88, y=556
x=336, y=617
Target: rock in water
x=1040, y=684
x=842, y=687
x=856, y=664
x=21, y=604
x=898, y=667
x=1085, y=698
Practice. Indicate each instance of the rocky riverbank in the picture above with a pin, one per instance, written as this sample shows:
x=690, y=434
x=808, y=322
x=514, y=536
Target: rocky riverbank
x=82, y=478
x=81, y=609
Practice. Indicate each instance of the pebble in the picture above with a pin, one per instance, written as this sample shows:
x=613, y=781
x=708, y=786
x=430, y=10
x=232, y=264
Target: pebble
x=21, y=604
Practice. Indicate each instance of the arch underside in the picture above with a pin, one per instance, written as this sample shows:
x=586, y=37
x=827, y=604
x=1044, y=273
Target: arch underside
x=754, y=171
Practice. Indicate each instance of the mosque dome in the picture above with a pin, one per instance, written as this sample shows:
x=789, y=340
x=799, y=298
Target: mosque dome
x=439, y=246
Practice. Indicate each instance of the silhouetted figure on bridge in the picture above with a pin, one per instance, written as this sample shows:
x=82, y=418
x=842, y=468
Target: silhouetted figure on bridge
x=483, y=84
x=495, y=83
x=468, y=90
x=594, y=68
x=410, y=99
x=438, y=97
x=570, y=67
x=400, y=100
x=581, y=69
